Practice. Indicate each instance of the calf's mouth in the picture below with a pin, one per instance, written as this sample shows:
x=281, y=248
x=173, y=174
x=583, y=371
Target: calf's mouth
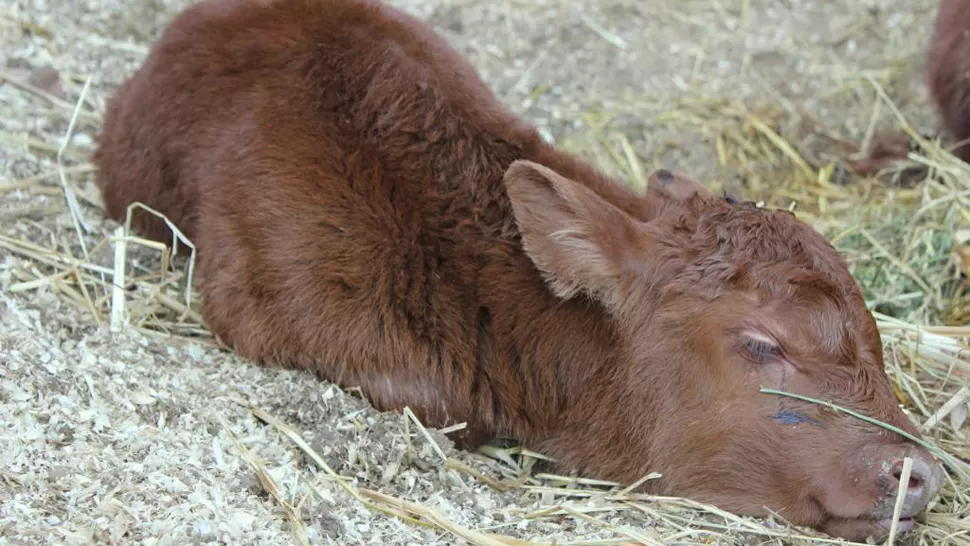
x=863, y=529
x=925, y=479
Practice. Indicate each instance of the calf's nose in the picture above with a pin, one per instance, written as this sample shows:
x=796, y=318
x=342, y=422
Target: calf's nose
x=925, y=480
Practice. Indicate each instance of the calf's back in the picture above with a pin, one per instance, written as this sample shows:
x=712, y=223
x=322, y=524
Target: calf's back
x=343, y=182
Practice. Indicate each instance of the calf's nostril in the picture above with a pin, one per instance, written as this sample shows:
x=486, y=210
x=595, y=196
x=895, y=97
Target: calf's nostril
x=917, y=475
x=915, y=486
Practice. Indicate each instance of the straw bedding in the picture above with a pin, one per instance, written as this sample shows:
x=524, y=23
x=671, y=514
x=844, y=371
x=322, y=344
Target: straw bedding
x=141, y=431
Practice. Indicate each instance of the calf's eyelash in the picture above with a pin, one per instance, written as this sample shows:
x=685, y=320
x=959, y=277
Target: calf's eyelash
x=761, y=350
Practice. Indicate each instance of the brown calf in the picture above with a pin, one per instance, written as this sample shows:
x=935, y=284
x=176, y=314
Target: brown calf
x=365, y=208
x=947, y=78
x=948, y=72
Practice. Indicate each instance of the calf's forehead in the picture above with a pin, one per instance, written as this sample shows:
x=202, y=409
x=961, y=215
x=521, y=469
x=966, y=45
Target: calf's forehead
x=754, y=258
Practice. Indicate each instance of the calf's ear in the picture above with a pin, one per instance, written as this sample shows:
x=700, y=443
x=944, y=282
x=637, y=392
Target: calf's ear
x=577, y=240
x=664, y=184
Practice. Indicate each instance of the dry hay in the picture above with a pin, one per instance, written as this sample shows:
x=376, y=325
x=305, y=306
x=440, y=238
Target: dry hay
x=101, y=442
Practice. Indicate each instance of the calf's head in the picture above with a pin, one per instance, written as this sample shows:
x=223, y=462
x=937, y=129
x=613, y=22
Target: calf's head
x=712, y=299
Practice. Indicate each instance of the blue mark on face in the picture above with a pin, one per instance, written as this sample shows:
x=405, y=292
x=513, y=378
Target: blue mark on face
x=790, y=417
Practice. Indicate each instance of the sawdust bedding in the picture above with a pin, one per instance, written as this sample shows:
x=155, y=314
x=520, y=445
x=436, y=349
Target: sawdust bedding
x=138, y=438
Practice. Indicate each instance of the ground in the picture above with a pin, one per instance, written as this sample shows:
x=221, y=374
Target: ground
x=135, y=437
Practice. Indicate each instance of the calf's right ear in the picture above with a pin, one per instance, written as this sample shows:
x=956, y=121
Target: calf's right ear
x=578, y=241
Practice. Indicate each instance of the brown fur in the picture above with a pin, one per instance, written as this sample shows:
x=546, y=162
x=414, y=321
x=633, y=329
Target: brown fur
x=365, y=208
x=947, y=78
x=886, y=149
x=948, y=72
